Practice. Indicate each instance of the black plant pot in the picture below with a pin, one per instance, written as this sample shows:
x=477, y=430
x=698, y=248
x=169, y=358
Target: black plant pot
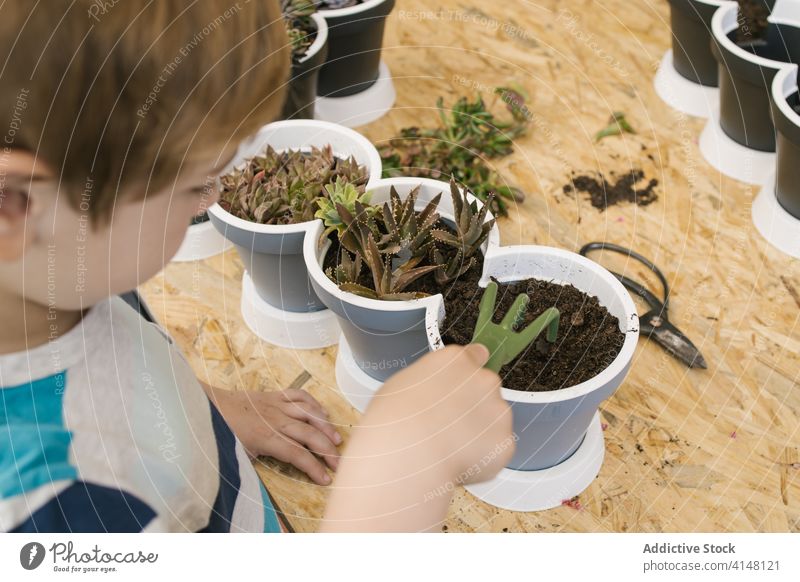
x=691, y=40
x=785, y=98
x=302, y=92
x=745, y=78
x=354, y=47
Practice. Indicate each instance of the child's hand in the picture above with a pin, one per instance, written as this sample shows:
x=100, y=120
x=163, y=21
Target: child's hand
x=438, y=423
x=288, y=425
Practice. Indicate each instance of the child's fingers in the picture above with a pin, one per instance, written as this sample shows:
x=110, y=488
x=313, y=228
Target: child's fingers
x=311, y=414
x=315, y=440
x=294, y=453
x=295, y=395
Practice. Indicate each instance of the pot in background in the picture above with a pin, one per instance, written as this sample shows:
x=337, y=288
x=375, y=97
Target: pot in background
x=273, y=254
x=550, y=426
x=302, y=91
x=355, y=38
x=384, y=336
x=785, y=98
x=746, y=74
x=692, y=58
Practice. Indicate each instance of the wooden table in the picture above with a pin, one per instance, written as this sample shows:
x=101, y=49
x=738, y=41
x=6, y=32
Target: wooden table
x=715, y=450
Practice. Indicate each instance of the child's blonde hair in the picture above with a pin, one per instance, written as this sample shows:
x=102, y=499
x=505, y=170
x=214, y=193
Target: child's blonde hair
x=116, y=93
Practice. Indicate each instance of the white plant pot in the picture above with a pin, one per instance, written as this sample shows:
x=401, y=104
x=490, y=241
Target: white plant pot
x=559, y=441
x=201, y=242
x=383, y=336
x=273, y=254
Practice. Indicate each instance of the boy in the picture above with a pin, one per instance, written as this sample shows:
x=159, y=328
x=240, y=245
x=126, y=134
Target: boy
x=116, y=115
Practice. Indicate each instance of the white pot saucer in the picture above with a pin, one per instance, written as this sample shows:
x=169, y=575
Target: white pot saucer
x=548, y=488
x=682, y=94
x=201, y=242
x=731, y=158
x=356, y=386
x=781, y=229
x=287, y=329
x=361, y=108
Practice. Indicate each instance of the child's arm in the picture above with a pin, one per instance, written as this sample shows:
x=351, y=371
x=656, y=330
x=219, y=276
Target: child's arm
x=440, y=423
x=289, y=425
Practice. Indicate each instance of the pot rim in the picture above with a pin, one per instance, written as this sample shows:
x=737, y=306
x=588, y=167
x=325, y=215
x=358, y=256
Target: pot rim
x=725, y=20
x=783, y=85
x=319, y=41
x=630, y=321
x=375, y=169
x=433, y=302
x=349, y=11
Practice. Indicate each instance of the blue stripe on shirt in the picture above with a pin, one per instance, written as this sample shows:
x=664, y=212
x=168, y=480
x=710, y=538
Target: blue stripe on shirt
x=85, y=507
x=34, y=443
x=229, y=479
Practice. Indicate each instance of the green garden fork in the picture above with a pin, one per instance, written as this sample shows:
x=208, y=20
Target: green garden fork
x=503, y=341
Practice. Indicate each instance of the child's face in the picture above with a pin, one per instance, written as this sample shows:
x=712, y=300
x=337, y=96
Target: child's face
x=52, y=254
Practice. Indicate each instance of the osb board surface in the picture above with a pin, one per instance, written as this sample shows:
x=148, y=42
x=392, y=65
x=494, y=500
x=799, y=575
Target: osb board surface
x=715, y=450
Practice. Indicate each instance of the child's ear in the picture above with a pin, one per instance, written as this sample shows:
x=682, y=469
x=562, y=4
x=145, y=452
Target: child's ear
x=17, y=203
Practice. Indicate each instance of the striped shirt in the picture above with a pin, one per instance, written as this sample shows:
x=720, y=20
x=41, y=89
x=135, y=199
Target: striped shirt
x=106, y=429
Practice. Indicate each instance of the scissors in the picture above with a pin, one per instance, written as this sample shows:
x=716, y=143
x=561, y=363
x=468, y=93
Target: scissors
x=655, y=323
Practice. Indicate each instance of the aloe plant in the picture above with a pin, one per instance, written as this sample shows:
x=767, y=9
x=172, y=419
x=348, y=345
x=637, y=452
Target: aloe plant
x=502, y=340
x=471, y=231
x=284, y=187
x=389, y=282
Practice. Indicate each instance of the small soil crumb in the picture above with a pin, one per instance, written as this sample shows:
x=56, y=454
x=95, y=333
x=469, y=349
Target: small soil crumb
x=603, y=194
x=588, y=338
x=752, y=22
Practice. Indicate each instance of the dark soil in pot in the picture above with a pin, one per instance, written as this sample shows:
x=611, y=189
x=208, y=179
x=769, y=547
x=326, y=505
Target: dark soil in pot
x=588, y=338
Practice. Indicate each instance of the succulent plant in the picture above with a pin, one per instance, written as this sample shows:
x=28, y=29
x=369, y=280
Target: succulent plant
x=389, y=282
x=471, y=230
x=348, y=269
x=284, y=187
x=299, y=26
x=340, y=193
x=408, y=233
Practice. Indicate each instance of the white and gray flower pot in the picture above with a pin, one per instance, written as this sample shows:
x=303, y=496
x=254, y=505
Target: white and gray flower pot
x=739, y=139
x=559, y=439
x=278, y=302
x=776, y=209
x=687, y=76
x=380, y=337
x=355, y=86
x=558, y=434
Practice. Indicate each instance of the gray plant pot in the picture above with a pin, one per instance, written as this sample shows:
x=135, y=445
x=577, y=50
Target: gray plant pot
x=273, y=254
x=384, y=336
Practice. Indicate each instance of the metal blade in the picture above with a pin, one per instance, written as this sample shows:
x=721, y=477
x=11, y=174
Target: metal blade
x=672, y=339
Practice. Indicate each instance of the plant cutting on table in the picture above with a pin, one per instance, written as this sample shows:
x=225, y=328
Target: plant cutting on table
x=469, y=134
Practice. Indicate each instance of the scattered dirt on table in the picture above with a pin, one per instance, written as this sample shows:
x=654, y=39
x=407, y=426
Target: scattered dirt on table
x=603, y=193
x=588, y=338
